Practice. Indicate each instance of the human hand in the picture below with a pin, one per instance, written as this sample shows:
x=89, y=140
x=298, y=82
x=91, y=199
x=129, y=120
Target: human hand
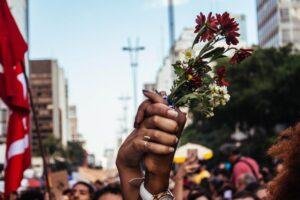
x=189, y=166
x=158, y=167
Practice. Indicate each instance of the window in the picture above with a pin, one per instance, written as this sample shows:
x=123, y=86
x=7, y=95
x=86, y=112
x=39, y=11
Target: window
x=284, y=14
x=286, y=36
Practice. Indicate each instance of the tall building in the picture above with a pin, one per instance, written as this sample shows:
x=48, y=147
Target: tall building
x=241, y=19
x=49, y=90
x=278, y=22
x=73, y=127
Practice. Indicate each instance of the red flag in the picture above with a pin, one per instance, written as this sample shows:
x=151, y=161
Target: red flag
x=14, y=93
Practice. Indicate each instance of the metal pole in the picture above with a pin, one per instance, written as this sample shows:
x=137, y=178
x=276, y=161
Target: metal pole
x=36, y=123
x=171, y=28
x=133, y=54
x=134, y=72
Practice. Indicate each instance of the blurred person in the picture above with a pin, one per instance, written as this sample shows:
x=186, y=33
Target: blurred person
x=201, y=173
x=32, y=194
x=98, y=185
x=245, y=195
x=67, y=194
x=109, y=192
x=262, y=192
x=13, y=196
x=240, y=164
x=153, y=142
x=181, y=190
x=82, y=191
x=246, y=181
x=287, y=149
x=266, y=175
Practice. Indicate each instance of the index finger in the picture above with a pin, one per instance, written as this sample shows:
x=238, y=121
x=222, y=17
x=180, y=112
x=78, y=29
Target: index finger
x=155, y=97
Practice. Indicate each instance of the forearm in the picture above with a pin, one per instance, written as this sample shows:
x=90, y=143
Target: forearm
x=157, y=180
x=129, y=191
x=178, y=188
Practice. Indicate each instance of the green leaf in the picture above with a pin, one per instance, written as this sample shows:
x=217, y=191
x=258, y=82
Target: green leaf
x=214, y=53
x=197, y=38
x=179, y=71
x=187, y=98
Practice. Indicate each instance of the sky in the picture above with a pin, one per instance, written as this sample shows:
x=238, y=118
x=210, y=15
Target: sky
x=87, y=36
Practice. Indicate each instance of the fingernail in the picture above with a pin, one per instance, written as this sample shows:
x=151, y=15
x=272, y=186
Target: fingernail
x=176, y=140
x=172, y=113
x=145, y=91
x=171, y=149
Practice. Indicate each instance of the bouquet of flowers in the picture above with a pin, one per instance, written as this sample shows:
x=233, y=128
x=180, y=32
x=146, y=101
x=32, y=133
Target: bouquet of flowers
x=198, y=84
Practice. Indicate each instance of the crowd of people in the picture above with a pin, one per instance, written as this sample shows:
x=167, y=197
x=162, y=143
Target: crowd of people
x=146, y=169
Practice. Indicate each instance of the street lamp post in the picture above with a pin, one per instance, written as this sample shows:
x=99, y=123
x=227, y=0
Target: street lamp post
x=133, y=55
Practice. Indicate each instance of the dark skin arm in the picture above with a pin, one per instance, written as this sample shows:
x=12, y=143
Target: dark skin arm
x=158, y=167
x=159, y=124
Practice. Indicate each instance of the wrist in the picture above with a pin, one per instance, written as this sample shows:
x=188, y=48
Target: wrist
x=156, y=184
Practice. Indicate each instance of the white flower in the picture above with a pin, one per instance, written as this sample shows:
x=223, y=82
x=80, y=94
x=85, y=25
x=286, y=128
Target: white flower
x=226, y=97
x=187, y=55
x=209, y=115
x=211, y=74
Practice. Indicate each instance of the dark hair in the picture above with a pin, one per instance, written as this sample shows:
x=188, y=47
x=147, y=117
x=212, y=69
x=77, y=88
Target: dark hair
x=99, y=182
x=32, y=194
x=109, y=189
x=67, y=191
x=245, y=194
x=90, y=188
x=229, y=149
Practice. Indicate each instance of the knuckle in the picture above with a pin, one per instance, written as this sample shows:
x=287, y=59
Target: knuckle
x=155, y=119
x=135, y=144
x=156, y=135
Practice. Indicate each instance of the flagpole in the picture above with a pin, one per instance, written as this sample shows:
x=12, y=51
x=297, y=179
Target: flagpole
x=36, y=122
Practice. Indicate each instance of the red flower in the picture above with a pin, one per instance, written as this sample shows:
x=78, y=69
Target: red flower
x=229, y=28
x=210, y=26
x=240, y=55
x=193, y=77
x=220, y=78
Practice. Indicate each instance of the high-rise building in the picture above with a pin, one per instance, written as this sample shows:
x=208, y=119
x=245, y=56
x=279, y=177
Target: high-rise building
x=278, y=22
x=73, y=127
x=49, y=90
x=241, y=20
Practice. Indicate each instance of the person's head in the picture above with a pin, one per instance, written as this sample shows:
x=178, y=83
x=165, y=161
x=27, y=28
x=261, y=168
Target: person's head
x=245, y=195
x=231, y=151
x=262, y=193
x=244, y=181
x=98, y=184
x=13, y=196
x=110, y=192
x=82, y=191
x=287, y=149
x=33, y=194
x=67, y=194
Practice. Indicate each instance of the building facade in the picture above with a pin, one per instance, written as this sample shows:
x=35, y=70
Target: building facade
x=49, y=90
x=73, y=127
x=278, y=22
x=242, y=21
